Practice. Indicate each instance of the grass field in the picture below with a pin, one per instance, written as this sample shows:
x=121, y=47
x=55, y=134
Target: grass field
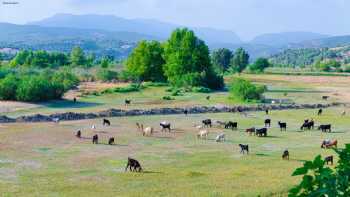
x=45, y=159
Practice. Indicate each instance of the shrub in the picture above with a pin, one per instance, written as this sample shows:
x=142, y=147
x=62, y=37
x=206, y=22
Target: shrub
x=177, y=92
x=168, y=98
x=154, y=84
x=106, y=75
x=245, y=90
x=8, y=87
x=319, y=180
x=201, y=89
x=129, y=88
x=66, y=78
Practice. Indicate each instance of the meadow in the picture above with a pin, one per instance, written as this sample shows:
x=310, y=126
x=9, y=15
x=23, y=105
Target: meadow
x=46, y=159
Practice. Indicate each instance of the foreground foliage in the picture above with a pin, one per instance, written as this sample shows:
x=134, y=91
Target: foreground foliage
x=245, y=90
x=320, y=180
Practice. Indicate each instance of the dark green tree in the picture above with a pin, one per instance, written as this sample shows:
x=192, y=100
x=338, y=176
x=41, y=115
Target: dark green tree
x=260, y=65
x=146, y=62
x=105, y=62
x=221, y=59
x=188, y=62
x=240, y=60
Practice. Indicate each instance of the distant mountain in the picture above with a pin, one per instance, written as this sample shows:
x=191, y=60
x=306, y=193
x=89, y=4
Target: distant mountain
x=286, y=38
x=153, y=28
x=329, y=42
x=100, y=42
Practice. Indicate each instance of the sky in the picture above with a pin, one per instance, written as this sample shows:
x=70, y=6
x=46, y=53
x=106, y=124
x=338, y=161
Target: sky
x=248, y=18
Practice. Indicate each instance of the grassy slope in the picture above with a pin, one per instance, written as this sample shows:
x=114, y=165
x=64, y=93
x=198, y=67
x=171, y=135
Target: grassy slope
x=47, y=160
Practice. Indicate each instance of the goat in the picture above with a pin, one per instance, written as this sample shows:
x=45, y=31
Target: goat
x=329, y=159
x=282, y=125
x=202, y=134
x=78, y=135
x=165, y=126
x=106, y=122
x=268, y=123
x=285, y=155
x=244, y=148
x=207, y=123
x=111, y=141
x=220, y=138
x=266, y=111
x=95, y=139
x=127, y=102
x=133, y=165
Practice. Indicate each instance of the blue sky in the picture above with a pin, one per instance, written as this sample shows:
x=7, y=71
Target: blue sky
x=247, y=18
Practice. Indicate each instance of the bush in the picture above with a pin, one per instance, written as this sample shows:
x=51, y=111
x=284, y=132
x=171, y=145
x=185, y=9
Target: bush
x=106, y=75
x=201, y=89
x=168, y=98
x=154, y=84
x=319, y=180
x=177, y=92
x=66, y=78
x=8, y=87
x=245, y=90
x=129, y=88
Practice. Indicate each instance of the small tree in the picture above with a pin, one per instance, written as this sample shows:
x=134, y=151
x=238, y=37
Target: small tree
x=77, y=57
x=240, y=60
x=245, y=90
x=105, y=62
x=260, y=65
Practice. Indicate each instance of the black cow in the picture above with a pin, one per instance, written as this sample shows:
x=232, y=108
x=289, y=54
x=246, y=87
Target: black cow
x=231, y=125
x=325, y=128
x=127, y=102
x=95, y=139
x=329, y=159
x=325, y=97
x=133, y=165
x=165, y=126
x=308, y=125
x=268, y=123
x=207, y=123
x=244, y=148
x=282, y=125
x=111, y=141
x=106, y=122
x=261, y=132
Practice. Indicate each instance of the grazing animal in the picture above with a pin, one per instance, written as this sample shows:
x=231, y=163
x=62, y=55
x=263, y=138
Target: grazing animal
x=325, y=128
x=320, y=111
x=203, y=134
x=285, y=155
x=220, y=138
x=325, y=97
x=93, y=127
x=261, y=132
x=74, y=100
x=133, y=165
x=244, y=148
x=329, y=159
x=95, y=139
x=231, y=125
x=208, y=98
x=78, y=134
x=106, y=122
x=207, y=123
x=343, y=113
x=283, y=126
x=127, y=102
x=56, y=120
x=186, y=112
x=268, y=123
x=165, y=126
x=308, y=125
x=267, y=111
x=111, y=141
x=250, y=131
x=148, y=131
x=329, y=144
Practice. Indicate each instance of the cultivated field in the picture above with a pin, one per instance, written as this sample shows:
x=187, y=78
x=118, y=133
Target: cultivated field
x=46, y=159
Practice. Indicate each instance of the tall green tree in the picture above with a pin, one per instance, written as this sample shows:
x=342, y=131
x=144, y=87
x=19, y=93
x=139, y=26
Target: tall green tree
x=105, y=62
x=77, y=57
x=240, y=60
x=188, y=62
x=221, y=59
x=146, y=62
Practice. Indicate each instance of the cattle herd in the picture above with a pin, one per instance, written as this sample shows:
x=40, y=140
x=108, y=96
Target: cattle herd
x=203, y=133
